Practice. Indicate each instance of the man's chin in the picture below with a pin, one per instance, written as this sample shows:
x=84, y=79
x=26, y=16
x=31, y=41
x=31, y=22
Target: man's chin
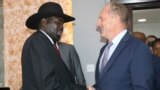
x=103, y=40
x=58, y=38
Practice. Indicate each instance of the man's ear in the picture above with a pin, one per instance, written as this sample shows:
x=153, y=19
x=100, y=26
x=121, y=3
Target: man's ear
x=116, y=19
x=43, y=22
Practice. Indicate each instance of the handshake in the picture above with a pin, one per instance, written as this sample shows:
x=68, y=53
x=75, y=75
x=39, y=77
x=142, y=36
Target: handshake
x=90, y=88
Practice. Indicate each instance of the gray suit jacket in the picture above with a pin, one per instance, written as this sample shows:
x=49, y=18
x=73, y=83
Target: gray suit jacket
x=71, y=59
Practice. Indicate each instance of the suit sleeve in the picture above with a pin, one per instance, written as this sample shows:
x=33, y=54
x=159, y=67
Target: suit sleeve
x=78, y=69
x=44, y=72
x=142, y=69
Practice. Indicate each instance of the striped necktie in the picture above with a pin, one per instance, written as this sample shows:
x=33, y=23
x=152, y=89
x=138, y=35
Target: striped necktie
x=105, y=56
x=57, y=50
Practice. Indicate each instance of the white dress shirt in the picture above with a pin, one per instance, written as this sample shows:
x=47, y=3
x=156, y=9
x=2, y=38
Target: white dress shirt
x=50, y=39
x=115, y=43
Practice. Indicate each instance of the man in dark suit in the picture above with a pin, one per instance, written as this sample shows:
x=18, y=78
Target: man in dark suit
x=72, y=61
x=156, y=63
x=42, y=66
x=127, y=61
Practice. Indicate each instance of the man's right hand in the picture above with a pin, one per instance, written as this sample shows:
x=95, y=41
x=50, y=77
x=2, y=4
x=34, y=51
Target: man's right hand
x=90, y=88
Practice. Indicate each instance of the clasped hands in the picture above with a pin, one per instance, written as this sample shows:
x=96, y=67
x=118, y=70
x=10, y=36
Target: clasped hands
x=90, y=88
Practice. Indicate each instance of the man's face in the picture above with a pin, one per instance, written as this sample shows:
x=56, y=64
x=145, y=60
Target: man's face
x=54, y=27
x=156, y=49
x=105, y=23
x=150, y=40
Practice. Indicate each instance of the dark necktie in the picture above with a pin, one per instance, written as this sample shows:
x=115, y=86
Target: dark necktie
x=105, y=56
x=57, y=50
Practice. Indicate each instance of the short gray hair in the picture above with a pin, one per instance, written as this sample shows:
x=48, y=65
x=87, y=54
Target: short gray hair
x=121, y=10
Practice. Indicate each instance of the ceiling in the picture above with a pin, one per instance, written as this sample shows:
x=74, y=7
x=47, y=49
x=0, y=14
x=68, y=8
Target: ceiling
x=152, y=16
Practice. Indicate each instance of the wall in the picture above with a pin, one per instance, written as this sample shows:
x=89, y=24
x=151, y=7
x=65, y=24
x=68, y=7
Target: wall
x=148, y=29
x=86, y=39
x=1, y=45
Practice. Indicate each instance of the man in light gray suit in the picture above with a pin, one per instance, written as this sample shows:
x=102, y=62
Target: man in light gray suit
x=72, y=61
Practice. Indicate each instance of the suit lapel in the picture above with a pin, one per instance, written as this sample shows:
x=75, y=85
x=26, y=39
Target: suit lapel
x=58, y=62
x=97, y=75
x=115, y=54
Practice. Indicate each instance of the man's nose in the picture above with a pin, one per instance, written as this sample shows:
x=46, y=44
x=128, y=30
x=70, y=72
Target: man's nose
x=98, y=23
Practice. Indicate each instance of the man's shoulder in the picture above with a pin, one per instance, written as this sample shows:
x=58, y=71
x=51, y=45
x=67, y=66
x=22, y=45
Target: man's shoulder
x=65, y=44
x=136, y=42
x=156, y=59
x=66, y=47
x=37, y=39
x=34, y=35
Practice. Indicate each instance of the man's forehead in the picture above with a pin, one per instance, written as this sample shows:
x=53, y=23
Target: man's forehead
x=56, y=17
x=105, y=9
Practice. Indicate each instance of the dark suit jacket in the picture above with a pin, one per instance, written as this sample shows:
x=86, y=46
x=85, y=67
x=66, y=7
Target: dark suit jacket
x=129, y=67
x=42, y=68
x=156, y=64
x=71, y=59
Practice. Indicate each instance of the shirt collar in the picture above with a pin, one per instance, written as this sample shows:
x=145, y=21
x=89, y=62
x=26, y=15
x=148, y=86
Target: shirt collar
x=50, y=39
x=118, y=38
